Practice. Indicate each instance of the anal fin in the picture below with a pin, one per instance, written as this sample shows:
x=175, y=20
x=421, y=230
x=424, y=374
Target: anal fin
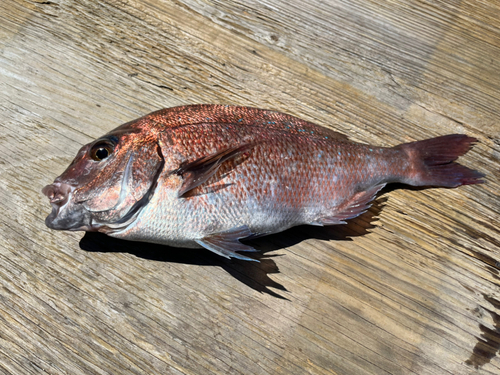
x=358, y=204
x=227, y=243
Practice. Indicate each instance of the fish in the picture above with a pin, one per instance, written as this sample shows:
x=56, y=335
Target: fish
x=208, y=176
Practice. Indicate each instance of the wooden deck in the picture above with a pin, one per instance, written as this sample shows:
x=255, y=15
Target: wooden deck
x=412, y=287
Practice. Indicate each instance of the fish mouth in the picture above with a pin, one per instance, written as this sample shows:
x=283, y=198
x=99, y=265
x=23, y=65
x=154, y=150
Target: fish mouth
x=66, y=215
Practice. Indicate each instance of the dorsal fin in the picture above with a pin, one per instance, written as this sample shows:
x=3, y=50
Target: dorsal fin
x=226, y=114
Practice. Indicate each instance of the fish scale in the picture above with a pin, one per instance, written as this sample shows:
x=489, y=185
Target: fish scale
x=210, y=175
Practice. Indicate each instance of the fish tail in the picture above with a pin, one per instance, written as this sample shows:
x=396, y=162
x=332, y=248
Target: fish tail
x=432, y=162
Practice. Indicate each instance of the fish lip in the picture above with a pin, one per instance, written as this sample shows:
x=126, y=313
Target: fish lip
x=65, y=214
x=71, y=223
x=58, y=192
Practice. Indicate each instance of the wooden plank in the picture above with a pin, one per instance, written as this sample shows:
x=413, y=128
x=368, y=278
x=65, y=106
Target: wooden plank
x=412, y=287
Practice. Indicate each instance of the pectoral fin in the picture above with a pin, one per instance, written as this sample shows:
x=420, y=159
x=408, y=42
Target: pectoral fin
x=199, y=171
x=227, y=243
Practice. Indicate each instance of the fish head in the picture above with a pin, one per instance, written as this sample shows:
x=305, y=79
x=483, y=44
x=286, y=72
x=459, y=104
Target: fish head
x=108, y=183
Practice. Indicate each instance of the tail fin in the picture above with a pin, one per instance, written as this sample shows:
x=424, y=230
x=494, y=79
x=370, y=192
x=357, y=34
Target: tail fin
x=433, y=161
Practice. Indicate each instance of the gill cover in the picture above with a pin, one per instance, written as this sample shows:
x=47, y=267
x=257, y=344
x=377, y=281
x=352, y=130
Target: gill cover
x=122, y=178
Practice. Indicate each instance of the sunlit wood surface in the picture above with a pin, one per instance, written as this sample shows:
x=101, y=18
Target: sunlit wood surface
x=411, y=287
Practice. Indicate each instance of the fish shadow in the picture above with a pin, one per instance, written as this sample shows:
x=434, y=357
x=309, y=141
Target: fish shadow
x=254, y=275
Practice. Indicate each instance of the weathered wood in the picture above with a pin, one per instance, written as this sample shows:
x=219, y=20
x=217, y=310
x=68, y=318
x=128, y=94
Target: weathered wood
x=412, y=287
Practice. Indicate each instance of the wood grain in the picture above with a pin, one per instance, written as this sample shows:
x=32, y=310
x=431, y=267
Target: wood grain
x=411, y=287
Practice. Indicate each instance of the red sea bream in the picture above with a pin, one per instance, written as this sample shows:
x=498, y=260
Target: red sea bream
x=210, y=175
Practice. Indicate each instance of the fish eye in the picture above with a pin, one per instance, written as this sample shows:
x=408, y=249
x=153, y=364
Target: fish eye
x=101, y=150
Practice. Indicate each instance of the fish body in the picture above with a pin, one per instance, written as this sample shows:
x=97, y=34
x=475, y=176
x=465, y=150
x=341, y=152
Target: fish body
x=210, y=175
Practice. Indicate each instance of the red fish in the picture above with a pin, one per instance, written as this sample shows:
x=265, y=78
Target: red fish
x=210, y=175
